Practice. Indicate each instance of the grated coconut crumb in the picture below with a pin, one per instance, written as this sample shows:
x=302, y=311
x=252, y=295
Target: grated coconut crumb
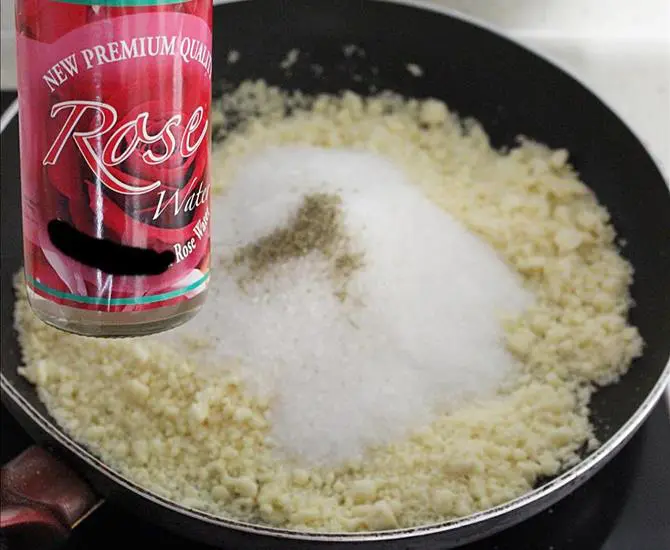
x=148, y=413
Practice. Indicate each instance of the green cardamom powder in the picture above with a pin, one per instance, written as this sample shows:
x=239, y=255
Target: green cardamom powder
x=316, y=227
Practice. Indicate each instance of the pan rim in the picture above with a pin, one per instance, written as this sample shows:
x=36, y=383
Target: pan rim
x=544, y=495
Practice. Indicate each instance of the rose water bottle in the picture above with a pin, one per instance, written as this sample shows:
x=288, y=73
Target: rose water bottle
x=114, y=110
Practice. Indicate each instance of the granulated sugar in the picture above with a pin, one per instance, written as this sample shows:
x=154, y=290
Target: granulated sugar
x=418, y=334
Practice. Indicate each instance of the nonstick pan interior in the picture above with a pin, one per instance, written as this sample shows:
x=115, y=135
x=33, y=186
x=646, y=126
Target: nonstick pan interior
x=479, y=74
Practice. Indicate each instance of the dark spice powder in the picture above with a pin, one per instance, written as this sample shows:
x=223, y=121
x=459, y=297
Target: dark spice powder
x=317, y=226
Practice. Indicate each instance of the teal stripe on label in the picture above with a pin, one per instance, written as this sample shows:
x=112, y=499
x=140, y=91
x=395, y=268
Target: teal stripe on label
x=122, y=3
x=117, y=301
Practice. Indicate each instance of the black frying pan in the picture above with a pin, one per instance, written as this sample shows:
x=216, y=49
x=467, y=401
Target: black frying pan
x=511, y=91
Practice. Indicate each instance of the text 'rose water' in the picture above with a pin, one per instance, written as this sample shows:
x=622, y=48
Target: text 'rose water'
x=114, y=111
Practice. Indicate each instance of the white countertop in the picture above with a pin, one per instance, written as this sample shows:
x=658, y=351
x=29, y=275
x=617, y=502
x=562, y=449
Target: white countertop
x=618, y=48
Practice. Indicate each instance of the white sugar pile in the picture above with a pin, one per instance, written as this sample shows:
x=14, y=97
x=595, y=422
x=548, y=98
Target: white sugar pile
x=418, y=334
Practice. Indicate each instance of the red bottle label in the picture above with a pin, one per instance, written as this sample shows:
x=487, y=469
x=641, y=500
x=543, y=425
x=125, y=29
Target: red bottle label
x=114, y=114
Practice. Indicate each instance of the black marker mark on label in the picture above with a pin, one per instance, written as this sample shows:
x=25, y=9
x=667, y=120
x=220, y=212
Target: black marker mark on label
x=106, y=255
